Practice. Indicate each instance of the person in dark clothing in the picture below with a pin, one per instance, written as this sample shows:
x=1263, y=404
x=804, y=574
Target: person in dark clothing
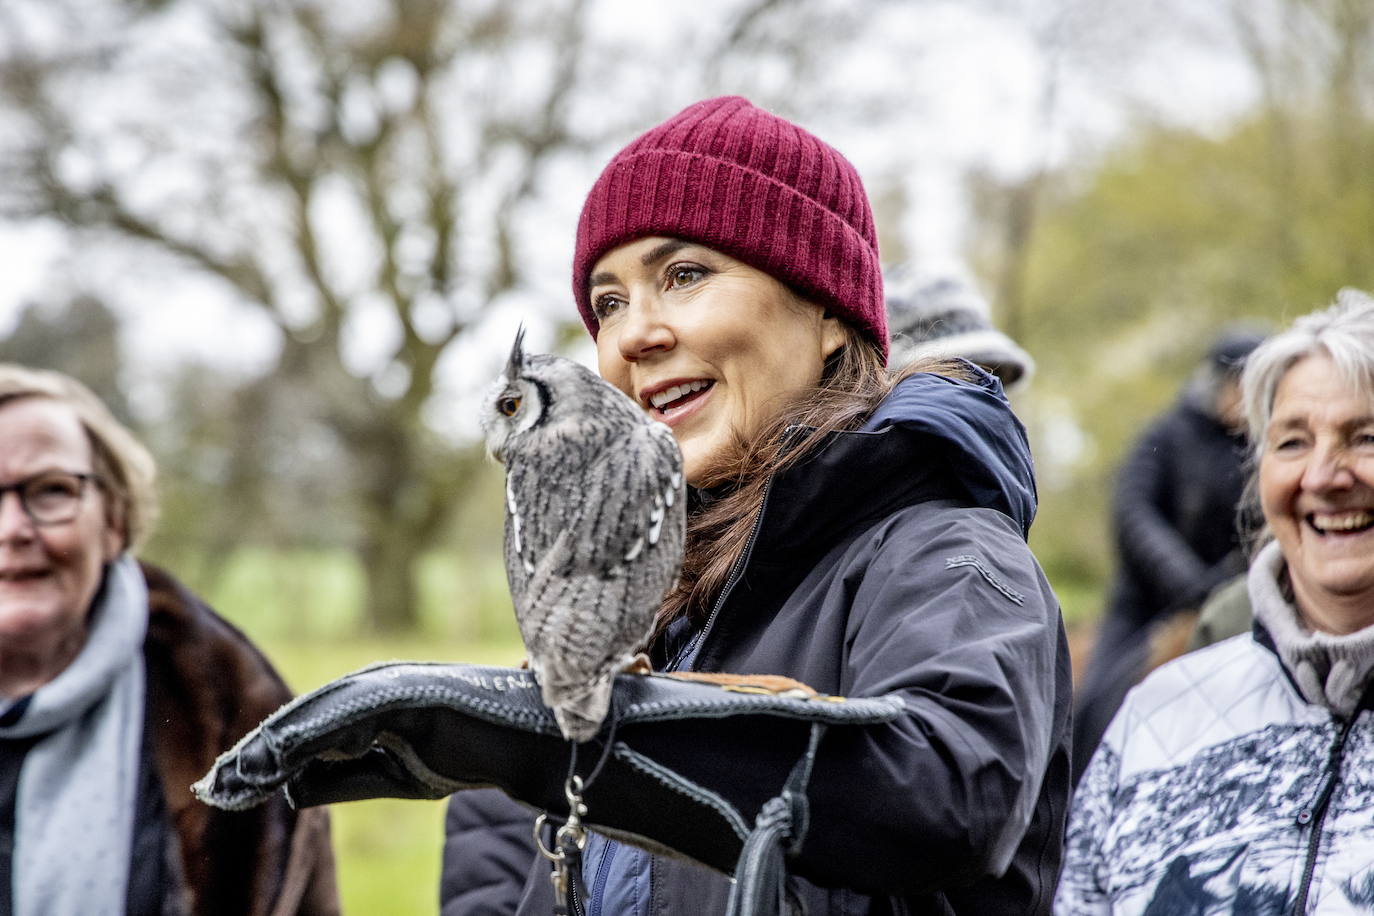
x=1175, y=522
x=118, y=688
x=862, y=533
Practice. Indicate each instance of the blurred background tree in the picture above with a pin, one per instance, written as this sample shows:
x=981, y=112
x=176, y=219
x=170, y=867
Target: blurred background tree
x=354, y=174
x=300, y=154
x=1142, y=253
x=361, y=202
x=290, y=241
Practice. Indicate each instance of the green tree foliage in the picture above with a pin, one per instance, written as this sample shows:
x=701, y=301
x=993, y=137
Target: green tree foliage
x=1138, y=261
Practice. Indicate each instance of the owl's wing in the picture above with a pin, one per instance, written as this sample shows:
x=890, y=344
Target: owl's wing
x=635, y=498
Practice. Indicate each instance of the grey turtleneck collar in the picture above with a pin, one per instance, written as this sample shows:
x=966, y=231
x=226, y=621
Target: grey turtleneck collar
x=1330, y=670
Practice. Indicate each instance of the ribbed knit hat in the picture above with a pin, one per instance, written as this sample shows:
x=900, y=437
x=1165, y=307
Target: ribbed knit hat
x=942, y=315
x=735, y=178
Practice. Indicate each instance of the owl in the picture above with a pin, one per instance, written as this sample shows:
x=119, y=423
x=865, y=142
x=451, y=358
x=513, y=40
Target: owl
x=594, y=525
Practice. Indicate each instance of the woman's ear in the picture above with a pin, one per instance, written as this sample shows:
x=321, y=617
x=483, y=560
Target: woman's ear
x=833, y=335
x=114, y=538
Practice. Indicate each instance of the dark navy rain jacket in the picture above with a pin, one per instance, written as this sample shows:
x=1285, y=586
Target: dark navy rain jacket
x=894, y=560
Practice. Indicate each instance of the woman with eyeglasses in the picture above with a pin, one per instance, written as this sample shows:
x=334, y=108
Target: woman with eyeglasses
x=118, y=688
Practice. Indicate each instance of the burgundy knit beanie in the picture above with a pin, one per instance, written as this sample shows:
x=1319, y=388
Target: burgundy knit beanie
x=748, y=183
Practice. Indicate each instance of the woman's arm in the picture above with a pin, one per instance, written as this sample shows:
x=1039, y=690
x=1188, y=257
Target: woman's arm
x=954, y=614
x=1148, y=543
x=944, y=607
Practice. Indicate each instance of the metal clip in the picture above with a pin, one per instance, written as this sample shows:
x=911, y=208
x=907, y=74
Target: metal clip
x=569, y=842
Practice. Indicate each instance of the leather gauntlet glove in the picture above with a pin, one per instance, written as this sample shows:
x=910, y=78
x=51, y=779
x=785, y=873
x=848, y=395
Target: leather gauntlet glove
x=657, y=774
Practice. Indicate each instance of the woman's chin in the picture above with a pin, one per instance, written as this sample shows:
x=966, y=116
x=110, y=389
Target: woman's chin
x=32, y=621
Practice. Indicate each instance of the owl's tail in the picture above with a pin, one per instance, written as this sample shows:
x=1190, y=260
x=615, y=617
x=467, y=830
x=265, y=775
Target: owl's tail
x=580, y=712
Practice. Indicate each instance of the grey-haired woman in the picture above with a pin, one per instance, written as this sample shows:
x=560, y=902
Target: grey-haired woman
x=1237, y=778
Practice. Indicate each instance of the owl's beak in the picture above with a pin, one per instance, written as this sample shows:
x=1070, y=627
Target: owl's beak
x=517, y=354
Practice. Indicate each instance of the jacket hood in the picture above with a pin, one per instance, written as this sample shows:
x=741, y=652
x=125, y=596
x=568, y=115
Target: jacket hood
x=977, y=442
x=932, y=438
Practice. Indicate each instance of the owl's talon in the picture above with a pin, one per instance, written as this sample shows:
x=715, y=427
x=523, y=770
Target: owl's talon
x=640, y=664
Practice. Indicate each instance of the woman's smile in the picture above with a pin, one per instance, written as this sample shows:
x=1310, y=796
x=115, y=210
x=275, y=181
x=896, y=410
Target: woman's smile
x=1341, y=524
x=673, y=402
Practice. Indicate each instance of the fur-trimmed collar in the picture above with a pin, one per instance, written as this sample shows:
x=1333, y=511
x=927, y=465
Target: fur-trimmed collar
x=207, y=687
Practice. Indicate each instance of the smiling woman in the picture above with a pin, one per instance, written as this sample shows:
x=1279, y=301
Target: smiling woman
x=1316, y=486
x=117, y=688
x=1236, y=778
x=56, y=535
x=860, y=532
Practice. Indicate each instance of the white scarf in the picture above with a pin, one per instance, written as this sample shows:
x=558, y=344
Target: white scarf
x=78, y=785
x=1330, y=670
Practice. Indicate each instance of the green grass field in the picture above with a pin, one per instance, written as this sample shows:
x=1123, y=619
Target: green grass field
x=303, y=609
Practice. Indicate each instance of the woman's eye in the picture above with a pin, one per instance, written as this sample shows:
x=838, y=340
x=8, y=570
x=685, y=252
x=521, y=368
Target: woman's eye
x=680, y=275
x=606, y=305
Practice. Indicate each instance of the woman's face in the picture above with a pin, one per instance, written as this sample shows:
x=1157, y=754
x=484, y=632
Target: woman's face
x=703, y=342
x=49, y=574
x=1316, y=480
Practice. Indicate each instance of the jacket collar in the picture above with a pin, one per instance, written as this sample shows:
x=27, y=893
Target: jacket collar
x=932, y=438
x=1328, y=670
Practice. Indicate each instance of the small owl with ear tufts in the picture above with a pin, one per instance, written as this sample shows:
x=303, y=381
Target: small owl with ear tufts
x=594, y=525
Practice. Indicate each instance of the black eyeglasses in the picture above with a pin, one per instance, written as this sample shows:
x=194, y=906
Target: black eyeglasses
x=52, y=497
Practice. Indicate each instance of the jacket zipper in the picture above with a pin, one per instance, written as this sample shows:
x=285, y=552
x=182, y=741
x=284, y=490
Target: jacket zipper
x=594, y=902
x=1315, y=815
x=736, y=571
x=574, y=902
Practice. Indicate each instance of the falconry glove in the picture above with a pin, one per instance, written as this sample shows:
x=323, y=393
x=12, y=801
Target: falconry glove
x=649, y=777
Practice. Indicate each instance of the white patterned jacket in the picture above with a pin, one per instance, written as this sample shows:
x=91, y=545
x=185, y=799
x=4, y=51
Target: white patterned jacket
x=1219, y=789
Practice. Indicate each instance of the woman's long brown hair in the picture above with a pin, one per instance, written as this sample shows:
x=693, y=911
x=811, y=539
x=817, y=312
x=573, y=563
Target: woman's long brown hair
x=852, y=384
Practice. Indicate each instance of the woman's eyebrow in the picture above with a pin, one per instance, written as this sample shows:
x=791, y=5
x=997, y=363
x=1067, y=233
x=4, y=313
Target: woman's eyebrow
x=662, y=251
x=1287, y=423
x=653, y=256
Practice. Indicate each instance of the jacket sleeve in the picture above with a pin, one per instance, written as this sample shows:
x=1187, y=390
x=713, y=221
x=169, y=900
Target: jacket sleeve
x=959, y=620
x=488, y=853
x=1148, y=543
x=1081, y=888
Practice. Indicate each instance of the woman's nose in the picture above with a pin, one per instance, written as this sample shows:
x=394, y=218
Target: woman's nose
x=14, y=519
x=644, y=330
x=1328, y=469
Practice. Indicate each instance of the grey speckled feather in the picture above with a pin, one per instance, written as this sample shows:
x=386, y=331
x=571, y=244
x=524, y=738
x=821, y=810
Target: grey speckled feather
x=594, y=525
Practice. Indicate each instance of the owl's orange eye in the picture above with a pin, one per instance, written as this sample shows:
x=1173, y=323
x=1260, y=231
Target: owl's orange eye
x=508, y=406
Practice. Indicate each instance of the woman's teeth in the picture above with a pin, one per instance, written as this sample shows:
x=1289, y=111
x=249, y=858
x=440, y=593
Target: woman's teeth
x=1346, y=521
x=669, y=395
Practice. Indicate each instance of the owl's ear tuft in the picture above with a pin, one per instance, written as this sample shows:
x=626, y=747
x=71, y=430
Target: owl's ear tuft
x=517, y=354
